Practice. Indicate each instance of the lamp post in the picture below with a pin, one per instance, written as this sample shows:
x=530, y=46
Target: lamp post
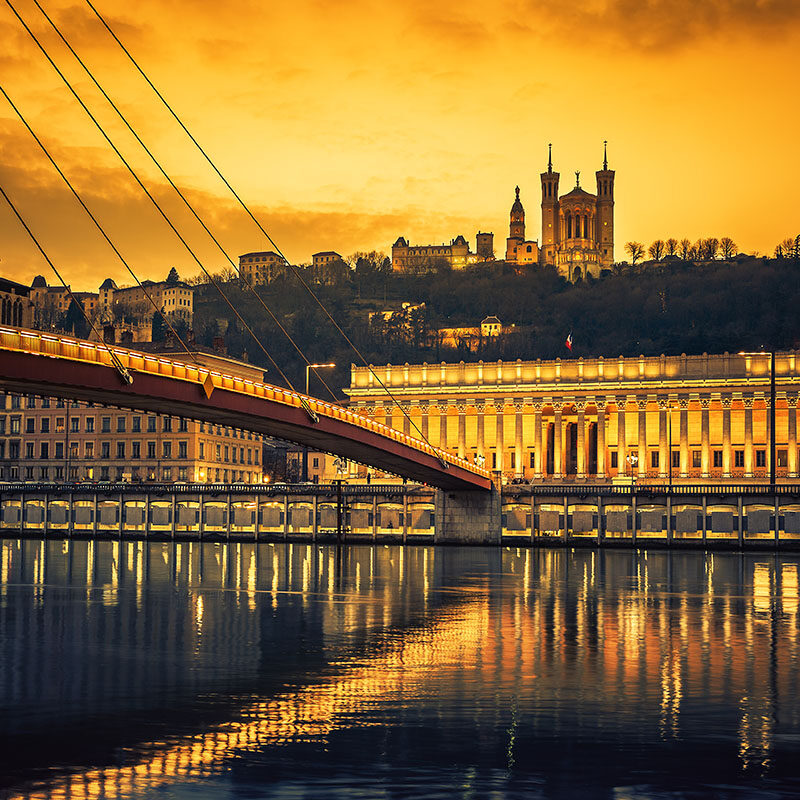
x=309, y=367
x=669, y=437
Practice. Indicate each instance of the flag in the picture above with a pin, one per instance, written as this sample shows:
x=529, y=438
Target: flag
x=568, y=343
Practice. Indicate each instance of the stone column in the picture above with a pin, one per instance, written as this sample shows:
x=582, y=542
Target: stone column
x=663, y=443
x=580, y=407
x=705, y=455
x=499, y=405
x=601, y=439
x=443, y=424
x=480, y=443
x=519, y=467
x=622, y=464
x=558, y=436
x=462, y=429
x=388, y=421
x=423, y=407
x=726, y=437
x=537, y=439
x=405, y=410
x=684, y=433
x=641, y=404
x=748, y=436
x=791, y=410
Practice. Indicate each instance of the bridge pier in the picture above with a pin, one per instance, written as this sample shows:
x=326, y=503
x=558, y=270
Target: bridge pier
x=467, y=517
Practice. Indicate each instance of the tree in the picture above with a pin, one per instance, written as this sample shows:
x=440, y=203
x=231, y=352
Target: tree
x=671, y=246
x=710, y=248
x=684, y=249
x=159, y=328
x=656, y=250
x=728, y=248
x=635, y=250
x=173, y=277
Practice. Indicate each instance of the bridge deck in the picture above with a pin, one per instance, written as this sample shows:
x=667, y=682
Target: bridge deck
x=60, y=366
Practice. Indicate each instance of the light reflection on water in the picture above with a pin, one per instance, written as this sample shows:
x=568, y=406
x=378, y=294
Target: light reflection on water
x=294, y=671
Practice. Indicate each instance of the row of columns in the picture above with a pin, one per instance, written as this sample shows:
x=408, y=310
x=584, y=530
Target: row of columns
x=579, y=407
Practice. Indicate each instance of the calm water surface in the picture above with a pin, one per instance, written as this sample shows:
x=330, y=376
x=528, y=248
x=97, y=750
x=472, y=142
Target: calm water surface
x=288, y=671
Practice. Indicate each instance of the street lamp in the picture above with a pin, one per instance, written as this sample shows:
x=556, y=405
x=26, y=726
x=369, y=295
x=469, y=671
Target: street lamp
x=771, y=351
x=309, y=367
x=633, y=460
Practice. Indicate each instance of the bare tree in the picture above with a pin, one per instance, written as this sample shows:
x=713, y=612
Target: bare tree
x=728, y=248
x=635, y=250
x=711, y=247
x=656, y=250
x=785, y=248
x=671, y=246
x=685, y=247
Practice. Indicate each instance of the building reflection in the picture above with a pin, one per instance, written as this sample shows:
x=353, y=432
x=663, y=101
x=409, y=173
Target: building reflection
x=626, y=644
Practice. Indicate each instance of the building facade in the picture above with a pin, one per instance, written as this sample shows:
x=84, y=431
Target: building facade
x=16, y=306
x=262, y=267
x=46, y=439
x=456, y=255
x=682, y=418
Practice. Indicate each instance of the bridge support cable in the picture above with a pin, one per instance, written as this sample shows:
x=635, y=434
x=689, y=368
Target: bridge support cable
x=249, y=213
x=97, y=224
x=152, y=200
x=186, y=202
x=124, y=374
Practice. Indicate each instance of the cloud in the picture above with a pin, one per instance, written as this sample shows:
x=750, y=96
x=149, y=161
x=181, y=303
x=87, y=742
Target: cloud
x=665, y=24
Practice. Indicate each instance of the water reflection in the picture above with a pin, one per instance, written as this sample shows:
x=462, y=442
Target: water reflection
x=199, y=662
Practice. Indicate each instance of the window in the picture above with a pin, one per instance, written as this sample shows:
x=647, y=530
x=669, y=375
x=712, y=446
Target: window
x=120, y=424
x=761, y=458
x=3, y=425
x=183, y=449
x=59, y=454
x=166, y=474
x=227, y=454
x=29, y=450
x=494, y=460
x=31, y=401
x=59, y=424
x=89, y=424
x=15, y=402
x=73, y=450
x=13, y=449
x=104, y=473
x=151, y=449
x=120, y=449
x=697, y=459
x=44, y=473
x=183, y=474
x=88, y=450
x=202, y=449
x=105, y=424
x=256, y=456
x=654, y=459
x=151, y=424
x=249, y=455
x=614, y=459
x=105, y=449
x=45, y=402
x=233, y=455
x=183, y=425
x=513, y=460
x=676, y=459
x=738, y=458
x=45, y=425
x=136, y=449
x=166, y=449
x=782, y=458
x=44, y=450
x=14, y=427
x=202, y=427
x=28, y=473
x=74, y=425
x=2, y=449
x=30, y=425
x=136, y=425
x=316, y=463
x=167, y=425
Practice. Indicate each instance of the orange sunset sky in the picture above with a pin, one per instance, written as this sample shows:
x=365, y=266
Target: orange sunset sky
x=347, y=124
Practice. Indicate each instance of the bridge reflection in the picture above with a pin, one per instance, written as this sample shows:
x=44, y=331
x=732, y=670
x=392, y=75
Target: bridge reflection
x=655, y=647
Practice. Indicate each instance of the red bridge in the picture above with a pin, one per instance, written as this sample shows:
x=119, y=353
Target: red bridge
x=32, y=362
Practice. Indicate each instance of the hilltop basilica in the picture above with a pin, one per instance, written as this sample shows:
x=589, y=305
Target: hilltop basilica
x=577, y=234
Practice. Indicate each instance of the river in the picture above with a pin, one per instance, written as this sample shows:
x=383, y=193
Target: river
x=210, y=670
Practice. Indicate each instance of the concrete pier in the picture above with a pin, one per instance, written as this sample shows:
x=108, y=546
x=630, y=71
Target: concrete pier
x=467, y=517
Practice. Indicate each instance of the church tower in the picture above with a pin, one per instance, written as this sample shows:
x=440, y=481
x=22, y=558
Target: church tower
x=605, y=212
x=516, y=229
x=550, y=211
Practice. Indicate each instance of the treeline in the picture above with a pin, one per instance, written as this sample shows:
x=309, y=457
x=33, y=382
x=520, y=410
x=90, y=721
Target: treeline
x=672, y=307
x=708, y=249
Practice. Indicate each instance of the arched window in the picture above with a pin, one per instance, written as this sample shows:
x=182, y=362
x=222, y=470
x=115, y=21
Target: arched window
x=569, y=226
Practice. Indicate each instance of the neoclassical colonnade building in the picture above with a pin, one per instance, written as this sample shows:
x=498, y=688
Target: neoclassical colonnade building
x=681, y=418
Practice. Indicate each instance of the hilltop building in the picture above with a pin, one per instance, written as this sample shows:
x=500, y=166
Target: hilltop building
x=457, y=255
x=262, y=267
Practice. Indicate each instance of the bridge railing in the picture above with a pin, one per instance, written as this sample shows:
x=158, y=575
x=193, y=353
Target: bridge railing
x=65, y=347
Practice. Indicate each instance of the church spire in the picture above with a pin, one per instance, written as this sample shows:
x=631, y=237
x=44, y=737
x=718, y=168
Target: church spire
x=577, y=179
x=550, y=157
x=605, y=154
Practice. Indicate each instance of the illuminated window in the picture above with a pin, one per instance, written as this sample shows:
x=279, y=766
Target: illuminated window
x=782, y=458
x=761, y=458
x=697, y=459
x=676, y=459
x=738, y=458
x=717, y=458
